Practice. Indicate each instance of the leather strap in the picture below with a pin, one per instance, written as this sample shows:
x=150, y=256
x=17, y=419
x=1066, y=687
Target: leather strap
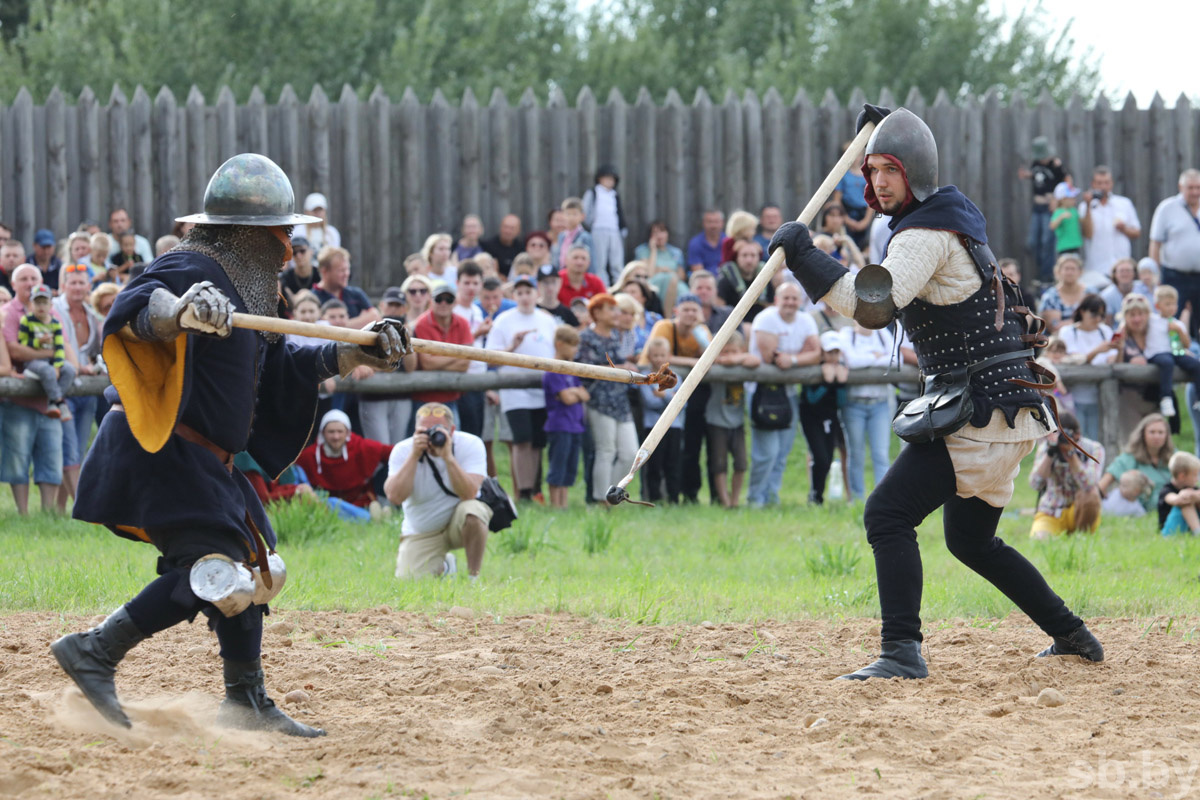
x=261, y=552
x=190, y=434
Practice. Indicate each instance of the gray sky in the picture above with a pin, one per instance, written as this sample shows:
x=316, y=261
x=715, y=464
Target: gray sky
x=1145, y=47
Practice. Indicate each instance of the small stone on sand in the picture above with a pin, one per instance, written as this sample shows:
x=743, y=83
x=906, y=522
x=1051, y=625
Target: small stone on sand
x=1051, y=698
x=281, y=628
x=296, y=696
x=462, y=612
x=708, y=625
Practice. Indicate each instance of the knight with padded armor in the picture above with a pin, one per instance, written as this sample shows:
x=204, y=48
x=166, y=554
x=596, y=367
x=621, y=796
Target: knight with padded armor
x=189, y=391
x=940, y=280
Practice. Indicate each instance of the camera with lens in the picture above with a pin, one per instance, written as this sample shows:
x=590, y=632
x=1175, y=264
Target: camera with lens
x=438, y=436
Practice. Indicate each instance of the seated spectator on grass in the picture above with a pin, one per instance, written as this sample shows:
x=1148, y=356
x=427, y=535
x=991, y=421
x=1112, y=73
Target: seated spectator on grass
x=577, y=280
x=565, y=398
x=334, y=266
x=526, y=330
x=341, y=462
x=549, y=282
x=288, y=486
x=468, y=244
x=437, y=249
x=537, y=247
x=662, y=474
x=1148, y=451
x=609, y=416
x=507, y=244
x=1177, y=500
x=737, y=275
x=725, y=416
x=1067, y=483
x=1128, y=498
x=438, y=487
x=441, y=324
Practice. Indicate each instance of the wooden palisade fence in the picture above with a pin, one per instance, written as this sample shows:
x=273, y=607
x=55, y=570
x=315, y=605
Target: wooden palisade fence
x=397, y=171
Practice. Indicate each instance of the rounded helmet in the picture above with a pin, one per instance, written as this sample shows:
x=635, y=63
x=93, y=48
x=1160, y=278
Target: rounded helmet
x=249, y=189
x=906, y=138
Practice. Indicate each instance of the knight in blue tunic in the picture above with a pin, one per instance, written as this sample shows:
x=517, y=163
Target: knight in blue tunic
x=189, y=391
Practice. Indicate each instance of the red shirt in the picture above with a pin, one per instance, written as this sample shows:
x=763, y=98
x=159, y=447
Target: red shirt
x=349, y=476
x=427, y=327
x=592, y=286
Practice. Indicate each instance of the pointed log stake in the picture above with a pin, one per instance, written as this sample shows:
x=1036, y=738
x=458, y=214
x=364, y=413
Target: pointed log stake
x=618, y=494
x=664, y=378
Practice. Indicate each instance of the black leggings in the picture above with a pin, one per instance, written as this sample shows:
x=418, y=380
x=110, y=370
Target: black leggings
x=922, y=479
x=819, y=421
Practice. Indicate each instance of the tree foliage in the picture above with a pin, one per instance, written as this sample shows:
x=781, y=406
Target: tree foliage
x=959, y=45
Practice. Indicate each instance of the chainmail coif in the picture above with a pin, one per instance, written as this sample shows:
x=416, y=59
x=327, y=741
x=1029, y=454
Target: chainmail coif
x=251, y=256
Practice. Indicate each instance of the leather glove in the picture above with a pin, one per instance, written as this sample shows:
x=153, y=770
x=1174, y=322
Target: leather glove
x=870, y=113
x=202, y=309
x=392, y=344
x=815, y=270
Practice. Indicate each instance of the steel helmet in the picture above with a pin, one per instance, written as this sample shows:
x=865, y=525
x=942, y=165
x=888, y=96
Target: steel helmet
x=249, y=189
x=905, y=137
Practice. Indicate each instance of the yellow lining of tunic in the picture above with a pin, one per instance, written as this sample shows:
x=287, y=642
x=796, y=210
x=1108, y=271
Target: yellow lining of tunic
x=149, y=378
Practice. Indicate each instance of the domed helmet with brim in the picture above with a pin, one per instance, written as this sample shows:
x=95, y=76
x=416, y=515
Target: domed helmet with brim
x=249, y=189
x=907, y=140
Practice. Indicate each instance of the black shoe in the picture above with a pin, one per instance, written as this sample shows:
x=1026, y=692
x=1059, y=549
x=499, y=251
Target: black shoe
x=898, y=660
x=816, y=499
x=1079, y=642
x=246, y=705
x=90, y=659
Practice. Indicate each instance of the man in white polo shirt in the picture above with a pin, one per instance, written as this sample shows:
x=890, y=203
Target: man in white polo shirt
x=1175, y=242
x=1109, y=224
x=441, y=512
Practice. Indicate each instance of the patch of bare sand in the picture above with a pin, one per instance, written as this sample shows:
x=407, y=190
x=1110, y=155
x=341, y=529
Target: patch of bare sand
x=555, y=706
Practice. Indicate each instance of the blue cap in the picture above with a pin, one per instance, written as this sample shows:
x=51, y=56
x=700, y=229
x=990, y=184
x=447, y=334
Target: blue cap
x=524, y=280
x=687, y=297
x=44, y=238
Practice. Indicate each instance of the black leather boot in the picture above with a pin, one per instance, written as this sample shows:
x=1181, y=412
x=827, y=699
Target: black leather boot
x=246, y=705
x=90, y=659
x=1079, y=642
x=898, y=660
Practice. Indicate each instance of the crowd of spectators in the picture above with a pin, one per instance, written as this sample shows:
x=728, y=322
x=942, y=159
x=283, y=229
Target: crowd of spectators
x=567, y=291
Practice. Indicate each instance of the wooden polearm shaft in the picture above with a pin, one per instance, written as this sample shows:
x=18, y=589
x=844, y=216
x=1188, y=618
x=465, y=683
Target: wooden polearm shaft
x=500, y=358
x=617, y=494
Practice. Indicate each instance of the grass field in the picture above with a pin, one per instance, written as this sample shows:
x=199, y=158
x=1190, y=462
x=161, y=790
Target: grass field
x=647, y=566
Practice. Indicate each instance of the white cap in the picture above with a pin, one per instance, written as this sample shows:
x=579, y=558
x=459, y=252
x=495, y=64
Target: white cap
x=314, y=201
x=831, y=340
x=1065, y=191
x=1148, y=263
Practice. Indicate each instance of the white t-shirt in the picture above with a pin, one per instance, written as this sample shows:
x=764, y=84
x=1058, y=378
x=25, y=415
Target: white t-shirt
x=1081, y=342
x=792, y=335
x=606, y=210
x=1158, y=338
x=428, y=508
x=861, y=350
x=540, y=342
x=318, y=237
x=1108, y=245
x=474, y=315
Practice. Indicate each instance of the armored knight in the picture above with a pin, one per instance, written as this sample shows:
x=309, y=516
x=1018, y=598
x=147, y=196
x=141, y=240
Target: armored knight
x=189, y=391
x=982, y=409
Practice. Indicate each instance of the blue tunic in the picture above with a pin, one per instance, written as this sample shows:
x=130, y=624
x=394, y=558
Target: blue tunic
x=241, y=393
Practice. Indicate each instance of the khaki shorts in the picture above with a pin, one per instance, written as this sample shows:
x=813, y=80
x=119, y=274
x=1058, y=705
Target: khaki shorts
x=423, y=553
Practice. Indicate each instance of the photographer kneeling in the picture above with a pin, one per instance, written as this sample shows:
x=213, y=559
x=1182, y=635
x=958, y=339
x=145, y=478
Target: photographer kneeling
x=436, y=475
x=1068, y=483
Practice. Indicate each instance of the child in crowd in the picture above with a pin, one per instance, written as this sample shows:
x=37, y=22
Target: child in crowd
x=41, y=331
x=564, y=425
x=1053, y=356
x=127, y=256
x=1177, y=500
x=575, y=234
x=1064, y=221
x=579, y=307
x=606, y=221
x=1011, y=269
x=725, y=416
x=662, y=474
x=1167, y=343
x=1147, y=282
x=1127, y=500
x=334, y=312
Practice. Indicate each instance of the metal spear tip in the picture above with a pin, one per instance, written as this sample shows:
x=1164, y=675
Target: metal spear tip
x=617, y=495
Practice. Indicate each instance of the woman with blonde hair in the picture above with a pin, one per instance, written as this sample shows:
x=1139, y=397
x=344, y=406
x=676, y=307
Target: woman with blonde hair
x=1059, y=302
x=1148, y=451
x=437, y=253
x=102, y=298
x=740, y=227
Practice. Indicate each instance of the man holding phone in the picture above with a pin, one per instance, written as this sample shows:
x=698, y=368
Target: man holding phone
x=1068, y=484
